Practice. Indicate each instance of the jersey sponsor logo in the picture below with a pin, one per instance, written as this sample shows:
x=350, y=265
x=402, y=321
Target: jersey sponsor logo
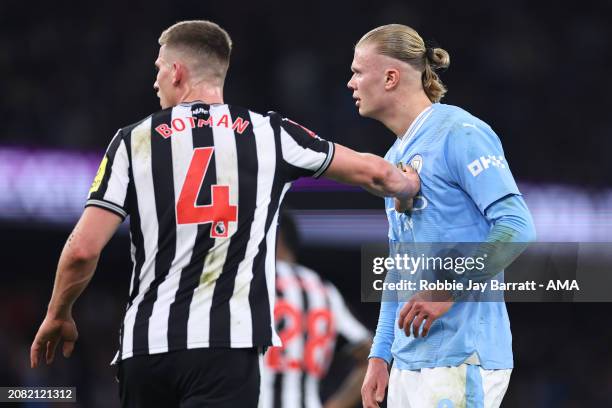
x=198, y=111
x=483, y=163
x=179, y=124
x=99, y=176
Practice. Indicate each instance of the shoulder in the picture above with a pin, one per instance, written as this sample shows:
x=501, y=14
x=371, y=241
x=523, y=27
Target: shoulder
x=465, y=128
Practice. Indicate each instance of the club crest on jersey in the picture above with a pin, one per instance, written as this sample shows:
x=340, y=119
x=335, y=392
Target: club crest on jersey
x=218, y=230
x=416, y=163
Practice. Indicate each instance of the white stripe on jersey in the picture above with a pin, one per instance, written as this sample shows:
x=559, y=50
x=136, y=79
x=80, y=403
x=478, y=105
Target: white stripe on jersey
x=182, y=149
x=226, y=165
x=198, y=323
x=311, y=392
x=115, y=193
x=143, y=182
x=301, y=157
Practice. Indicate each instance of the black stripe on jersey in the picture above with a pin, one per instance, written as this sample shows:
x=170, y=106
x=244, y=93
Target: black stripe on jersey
x=190, y=276
x=246, y=154
x=258, y=294
x=163, y=188
x=110, y=154
x=302, y=137
x=277, y=401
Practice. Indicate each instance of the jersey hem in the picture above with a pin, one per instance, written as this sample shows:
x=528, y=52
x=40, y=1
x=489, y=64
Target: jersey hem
x=161, y=350
x=450, y=362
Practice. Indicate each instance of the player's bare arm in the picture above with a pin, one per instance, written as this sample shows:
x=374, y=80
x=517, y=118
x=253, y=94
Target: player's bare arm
x=75, y=269
x=375, y=383
x=373, y=173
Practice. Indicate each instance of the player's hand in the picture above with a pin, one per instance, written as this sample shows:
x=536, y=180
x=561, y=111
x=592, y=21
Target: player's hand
x=51, y=332
x=425, y=306
x=401, y=206
x=375, y=383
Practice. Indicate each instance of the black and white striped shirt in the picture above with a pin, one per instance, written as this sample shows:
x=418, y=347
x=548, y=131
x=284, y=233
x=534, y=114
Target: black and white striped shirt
x=202, y=185
x=310, y=313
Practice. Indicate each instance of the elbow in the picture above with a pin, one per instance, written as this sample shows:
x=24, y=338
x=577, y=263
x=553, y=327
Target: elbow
x=381, y=176
x=81, y=253
x=526, y=231
x=529, y=230
x=374, y=173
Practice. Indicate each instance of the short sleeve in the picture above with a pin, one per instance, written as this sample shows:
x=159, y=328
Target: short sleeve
x=477, y=164
x=304, y=153
x=109, y=188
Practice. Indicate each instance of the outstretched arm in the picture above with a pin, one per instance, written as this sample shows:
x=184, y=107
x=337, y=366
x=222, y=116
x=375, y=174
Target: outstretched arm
x=75, y=269
x=373, y=173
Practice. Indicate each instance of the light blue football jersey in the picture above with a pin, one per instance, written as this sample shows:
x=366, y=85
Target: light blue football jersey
x=463, y=170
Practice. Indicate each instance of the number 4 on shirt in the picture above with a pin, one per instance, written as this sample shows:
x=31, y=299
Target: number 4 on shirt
x=219, y=212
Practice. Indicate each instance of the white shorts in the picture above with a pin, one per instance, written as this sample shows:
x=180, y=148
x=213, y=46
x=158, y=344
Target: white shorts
x=447, y=387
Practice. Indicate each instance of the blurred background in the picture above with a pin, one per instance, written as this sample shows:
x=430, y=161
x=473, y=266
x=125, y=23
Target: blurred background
x=72, y=74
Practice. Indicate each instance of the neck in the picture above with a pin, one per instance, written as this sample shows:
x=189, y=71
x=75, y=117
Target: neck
x=207, y=93
x=403, y=110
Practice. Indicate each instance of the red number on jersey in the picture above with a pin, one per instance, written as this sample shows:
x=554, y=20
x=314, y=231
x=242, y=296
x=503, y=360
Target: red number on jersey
x=320, y=332
x=293, y=327
x=321, y=335
x=219, y=212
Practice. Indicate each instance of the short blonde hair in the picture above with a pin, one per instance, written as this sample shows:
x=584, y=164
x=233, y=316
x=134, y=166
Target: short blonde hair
x=405, y=44
x=202, y=39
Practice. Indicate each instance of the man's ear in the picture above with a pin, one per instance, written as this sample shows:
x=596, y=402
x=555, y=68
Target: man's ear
x=392, y=77
x=178, y=72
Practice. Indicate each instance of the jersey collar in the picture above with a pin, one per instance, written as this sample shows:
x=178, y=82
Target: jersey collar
x=415, y=126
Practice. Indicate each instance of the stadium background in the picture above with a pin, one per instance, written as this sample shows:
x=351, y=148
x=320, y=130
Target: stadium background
x=72, y=74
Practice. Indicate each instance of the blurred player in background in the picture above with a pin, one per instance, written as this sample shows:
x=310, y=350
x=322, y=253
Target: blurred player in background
x=444, y=353
x=309, y=314
x=202, y=182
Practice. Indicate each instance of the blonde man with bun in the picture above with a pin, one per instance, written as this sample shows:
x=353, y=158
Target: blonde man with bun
x=447, y=352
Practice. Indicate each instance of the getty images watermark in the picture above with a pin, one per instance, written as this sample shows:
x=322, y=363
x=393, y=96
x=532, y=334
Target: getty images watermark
x=404, y=263
x=459, y=266
x=481, y=272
